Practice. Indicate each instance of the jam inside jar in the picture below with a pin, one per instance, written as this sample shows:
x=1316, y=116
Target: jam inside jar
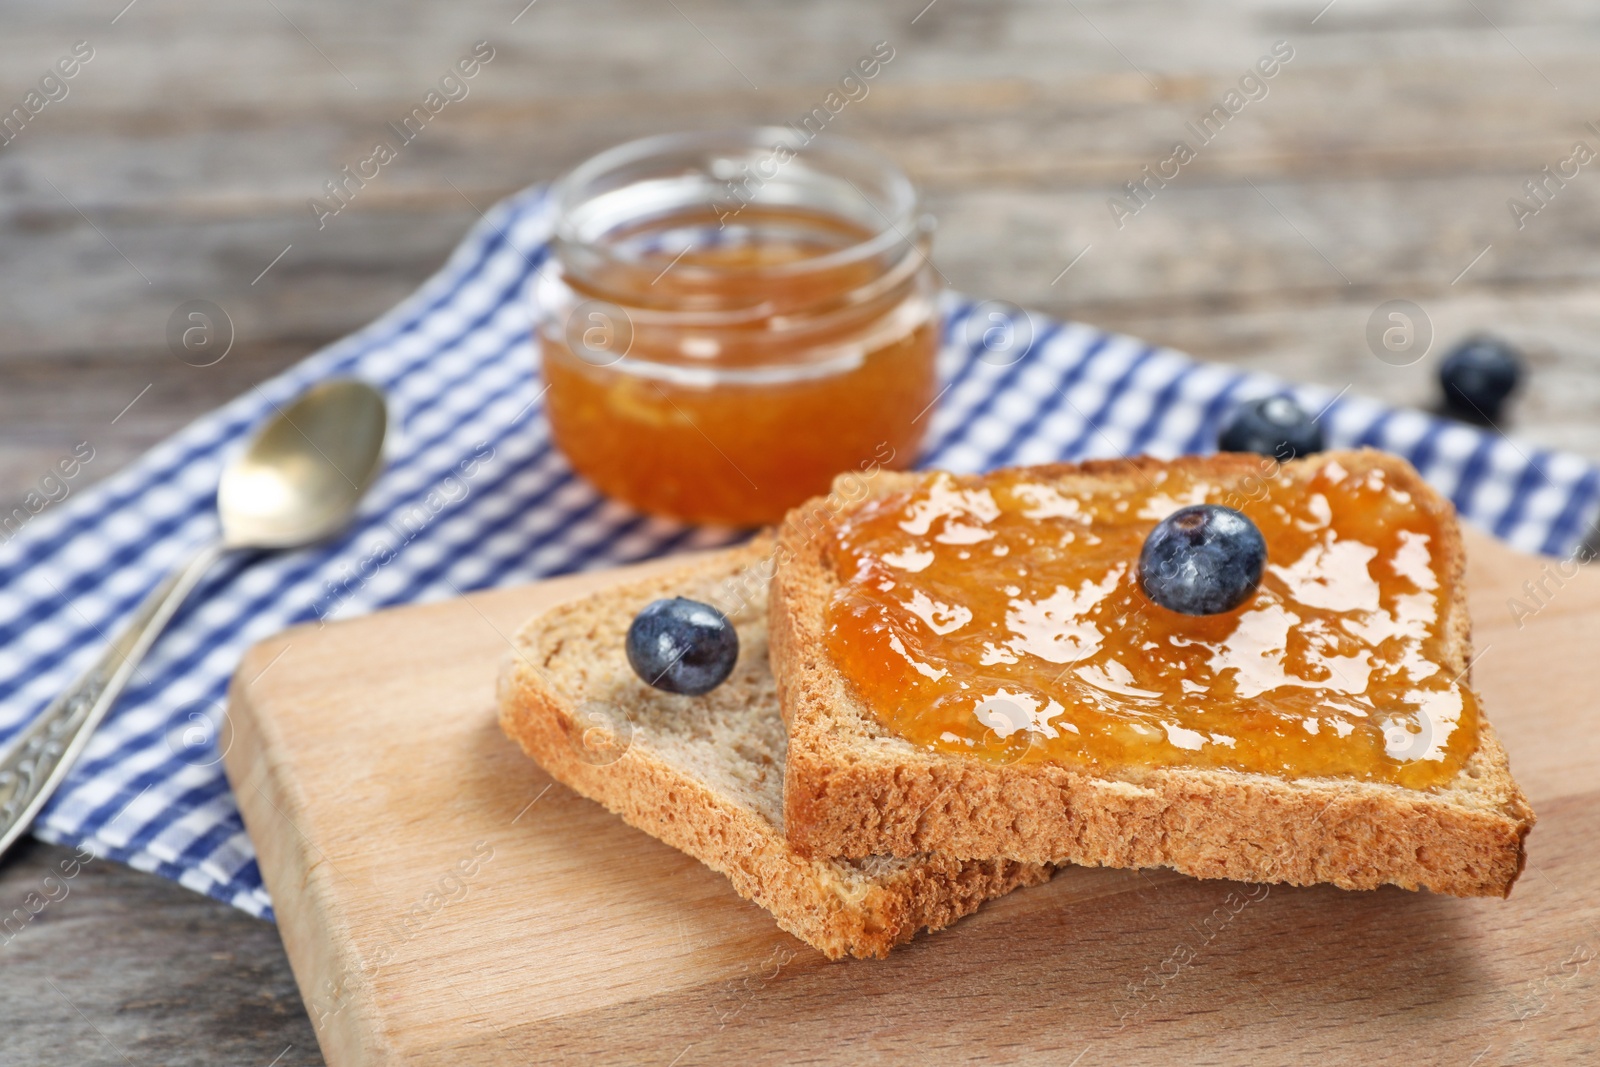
x=731, y=319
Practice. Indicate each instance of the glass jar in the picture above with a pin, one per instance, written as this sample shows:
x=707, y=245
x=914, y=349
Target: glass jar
x=731, y=319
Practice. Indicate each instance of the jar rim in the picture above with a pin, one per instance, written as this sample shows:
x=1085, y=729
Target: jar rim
x=897, y=222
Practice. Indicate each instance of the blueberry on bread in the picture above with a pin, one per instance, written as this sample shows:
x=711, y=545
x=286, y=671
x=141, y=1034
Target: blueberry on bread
x=678, y=645
x=1202, y=560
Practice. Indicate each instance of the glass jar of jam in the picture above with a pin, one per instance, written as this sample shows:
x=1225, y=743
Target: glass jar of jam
x=731, y=319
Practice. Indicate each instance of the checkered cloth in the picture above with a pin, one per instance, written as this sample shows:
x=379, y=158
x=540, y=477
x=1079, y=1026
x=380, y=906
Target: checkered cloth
x=457, y=363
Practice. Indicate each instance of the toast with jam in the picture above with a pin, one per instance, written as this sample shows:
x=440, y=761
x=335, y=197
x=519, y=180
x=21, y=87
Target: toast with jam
x=705, y=773
x=979, y=666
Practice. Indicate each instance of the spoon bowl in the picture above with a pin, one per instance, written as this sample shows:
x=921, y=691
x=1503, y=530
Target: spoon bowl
x=302, y=476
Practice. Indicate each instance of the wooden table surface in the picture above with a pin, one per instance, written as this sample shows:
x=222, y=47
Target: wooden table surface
x=1378, y=166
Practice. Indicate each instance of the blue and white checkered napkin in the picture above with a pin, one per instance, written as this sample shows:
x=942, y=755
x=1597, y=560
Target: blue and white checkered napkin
x=475, y=495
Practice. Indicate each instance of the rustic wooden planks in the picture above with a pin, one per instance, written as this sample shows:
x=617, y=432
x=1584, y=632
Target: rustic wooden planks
x=1384, y=156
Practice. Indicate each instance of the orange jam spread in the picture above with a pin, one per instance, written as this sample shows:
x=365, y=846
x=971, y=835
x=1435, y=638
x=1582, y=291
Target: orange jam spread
x=803, y=375
x=1001, y=615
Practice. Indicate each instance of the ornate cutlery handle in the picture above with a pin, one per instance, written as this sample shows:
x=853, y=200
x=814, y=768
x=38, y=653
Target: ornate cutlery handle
x=45, y=751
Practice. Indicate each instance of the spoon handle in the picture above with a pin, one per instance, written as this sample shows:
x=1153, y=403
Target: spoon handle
x=45, y=751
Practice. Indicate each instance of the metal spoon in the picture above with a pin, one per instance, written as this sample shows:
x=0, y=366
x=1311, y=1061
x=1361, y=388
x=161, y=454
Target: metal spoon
x=299, y=480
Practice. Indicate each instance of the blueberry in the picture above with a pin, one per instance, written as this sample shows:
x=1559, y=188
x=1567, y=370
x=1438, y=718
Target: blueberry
x=682, y=646
x=1478, y=376
x=1202, y=560
x=1271, y=426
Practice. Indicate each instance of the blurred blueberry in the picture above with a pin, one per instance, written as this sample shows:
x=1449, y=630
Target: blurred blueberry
x=1478, y=376
x=1272, y=426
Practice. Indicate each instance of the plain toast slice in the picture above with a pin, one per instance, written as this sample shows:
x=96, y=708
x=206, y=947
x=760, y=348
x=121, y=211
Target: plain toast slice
x=855, y=788
x=705, y=774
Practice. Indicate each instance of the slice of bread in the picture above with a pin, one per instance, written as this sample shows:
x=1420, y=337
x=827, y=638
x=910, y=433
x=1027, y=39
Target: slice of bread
x=855, y=788
x=705, y=774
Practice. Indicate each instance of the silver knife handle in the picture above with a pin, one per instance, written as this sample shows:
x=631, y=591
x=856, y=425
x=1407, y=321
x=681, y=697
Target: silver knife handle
x=45, y=751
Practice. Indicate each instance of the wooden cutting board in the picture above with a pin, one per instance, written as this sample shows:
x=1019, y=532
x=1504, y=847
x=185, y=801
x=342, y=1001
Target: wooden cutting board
x=442, y=901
